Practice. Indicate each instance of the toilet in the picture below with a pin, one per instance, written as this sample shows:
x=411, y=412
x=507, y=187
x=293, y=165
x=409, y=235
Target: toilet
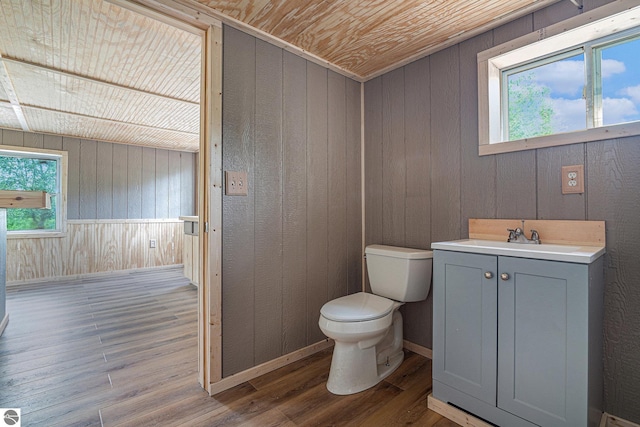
x=367, y=327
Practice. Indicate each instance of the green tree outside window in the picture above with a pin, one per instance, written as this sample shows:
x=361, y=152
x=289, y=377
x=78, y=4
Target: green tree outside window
x=530, y=108
x=30, y=174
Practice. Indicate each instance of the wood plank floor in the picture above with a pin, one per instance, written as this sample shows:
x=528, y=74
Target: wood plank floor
x=121, y=350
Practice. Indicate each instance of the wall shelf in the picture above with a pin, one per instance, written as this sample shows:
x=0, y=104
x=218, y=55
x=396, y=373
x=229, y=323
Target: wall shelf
x=25, y=199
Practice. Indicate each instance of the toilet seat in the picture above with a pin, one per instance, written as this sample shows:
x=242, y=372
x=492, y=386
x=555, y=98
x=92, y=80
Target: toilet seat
x=360, y=307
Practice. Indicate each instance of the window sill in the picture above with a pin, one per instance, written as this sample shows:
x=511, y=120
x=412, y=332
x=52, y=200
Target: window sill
x=35, y=234
x=623, y=130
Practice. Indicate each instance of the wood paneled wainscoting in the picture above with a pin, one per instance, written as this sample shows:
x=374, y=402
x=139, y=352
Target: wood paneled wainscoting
x=95, y=246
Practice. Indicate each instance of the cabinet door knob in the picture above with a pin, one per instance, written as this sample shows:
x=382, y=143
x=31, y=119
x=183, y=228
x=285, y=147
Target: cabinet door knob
x=488, y=274
x=504, y=276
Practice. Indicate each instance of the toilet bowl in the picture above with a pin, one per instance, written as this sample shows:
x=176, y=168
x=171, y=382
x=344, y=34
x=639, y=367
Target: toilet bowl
x=355, y=366
x=367, y=327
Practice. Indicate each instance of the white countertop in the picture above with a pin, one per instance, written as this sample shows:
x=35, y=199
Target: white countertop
x=566, y=253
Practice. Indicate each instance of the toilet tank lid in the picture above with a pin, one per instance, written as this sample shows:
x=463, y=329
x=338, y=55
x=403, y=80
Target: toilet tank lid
x=357, y=308
x=398, y=252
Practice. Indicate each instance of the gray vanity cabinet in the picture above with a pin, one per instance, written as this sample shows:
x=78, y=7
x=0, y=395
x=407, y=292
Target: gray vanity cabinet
x=466, y=323
x=517, y=341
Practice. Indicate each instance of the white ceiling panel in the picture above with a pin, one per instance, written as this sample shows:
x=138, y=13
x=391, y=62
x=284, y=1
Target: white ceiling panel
x=104, y=64
x=42, y=88
x=8, y=118
x=46, y=121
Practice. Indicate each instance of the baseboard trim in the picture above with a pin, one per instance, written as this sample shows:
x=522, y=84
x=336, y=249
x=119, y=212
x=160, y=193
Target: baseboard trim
x=18, y=283
x=422, y=351
x=613, y=421
x=4, y=323
x=251, y=373
x=454, y=414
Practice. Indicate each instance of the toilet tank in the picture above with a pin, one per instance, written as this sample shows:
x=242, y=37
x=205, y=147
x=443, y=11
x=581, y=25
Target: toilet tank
x=401, y=274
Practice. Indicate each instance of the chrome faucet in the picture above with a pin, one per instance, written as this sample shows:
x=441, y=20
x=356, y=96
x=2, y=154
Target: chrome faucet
x=517, y=235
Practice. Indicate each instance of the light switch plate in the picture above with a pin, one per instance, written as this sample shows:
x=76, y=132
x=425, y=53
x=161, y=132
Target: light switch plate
x=236, y=183
x=573, y=179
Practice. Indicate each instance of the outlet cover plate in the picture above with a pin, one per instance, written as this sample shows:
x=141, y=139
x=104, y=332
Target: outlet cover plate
x=573, y=179
x=235, y=183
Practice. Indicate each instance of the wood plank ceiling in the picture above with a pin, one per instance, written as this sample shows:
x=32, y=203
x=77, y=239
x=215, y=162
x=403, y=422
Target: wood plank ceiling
x=368, y=37
x=95, y=70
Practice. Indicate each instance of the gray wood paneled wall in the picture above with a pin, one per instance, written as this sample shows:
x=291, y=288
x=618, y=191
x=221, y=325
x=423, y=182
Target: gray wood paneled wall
x=3, y=264
x=115, y=181
x=424, y=180
x=295, y=241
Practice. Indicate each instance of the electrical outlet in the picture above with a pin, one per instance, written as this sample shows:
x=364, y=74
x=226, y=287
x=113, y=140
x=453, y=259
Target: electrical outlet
x=573, y=179
x=152, y=243
x=236, y=183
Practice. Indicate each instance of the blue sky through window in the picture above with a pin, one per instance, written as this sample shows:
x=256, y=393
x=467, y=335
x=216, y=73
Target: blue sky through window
x=558, y=87
x=621, y=87
x=565, y=80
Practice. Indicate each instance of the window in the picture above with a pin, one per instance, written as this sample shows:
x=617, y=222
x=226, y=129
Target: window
x=576, y=81
x=617, y=90
x=538, y=96
x=28, y=169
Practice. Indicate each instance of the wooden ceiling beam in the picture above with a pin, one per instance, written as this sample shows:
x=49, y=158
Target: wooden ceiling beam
x=6, y=83
x=89, y=79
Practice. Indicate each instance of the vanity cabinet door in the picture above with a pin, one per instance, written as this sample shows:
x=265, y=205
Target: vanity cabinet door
x=543, y=341
x=465, y=323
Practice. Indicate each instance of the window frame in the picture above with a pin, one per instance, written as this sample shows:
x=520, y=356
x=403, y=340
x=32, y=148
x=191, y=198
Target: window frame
x=61, y=209
x=589, y=30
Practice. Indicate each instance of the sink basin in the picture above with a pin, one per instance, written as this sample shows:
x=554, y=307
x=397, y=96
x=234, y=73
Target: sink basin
x=553, y=252
x=528, y=246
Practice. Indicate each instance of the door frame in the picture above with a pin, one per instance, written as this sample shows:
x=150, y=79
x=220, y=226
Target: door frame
x=187, y=18
x=210, y=209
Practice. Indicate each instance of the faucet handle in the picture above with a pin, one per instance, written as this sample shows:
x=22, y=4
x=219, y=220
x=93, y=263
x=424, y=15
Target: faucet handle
x=512, y=234
x=535, y=236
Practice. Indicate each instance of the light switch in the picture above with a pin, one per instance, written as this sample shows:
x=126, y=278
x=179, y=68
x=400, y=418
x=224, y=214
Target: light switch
x=236, y=183
x=573, y=179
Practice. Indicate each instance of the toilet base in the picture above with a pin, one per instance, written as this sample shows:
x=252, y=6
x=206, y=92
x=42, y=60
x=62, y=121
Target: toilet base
x=355, y=369
x=362, y=372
